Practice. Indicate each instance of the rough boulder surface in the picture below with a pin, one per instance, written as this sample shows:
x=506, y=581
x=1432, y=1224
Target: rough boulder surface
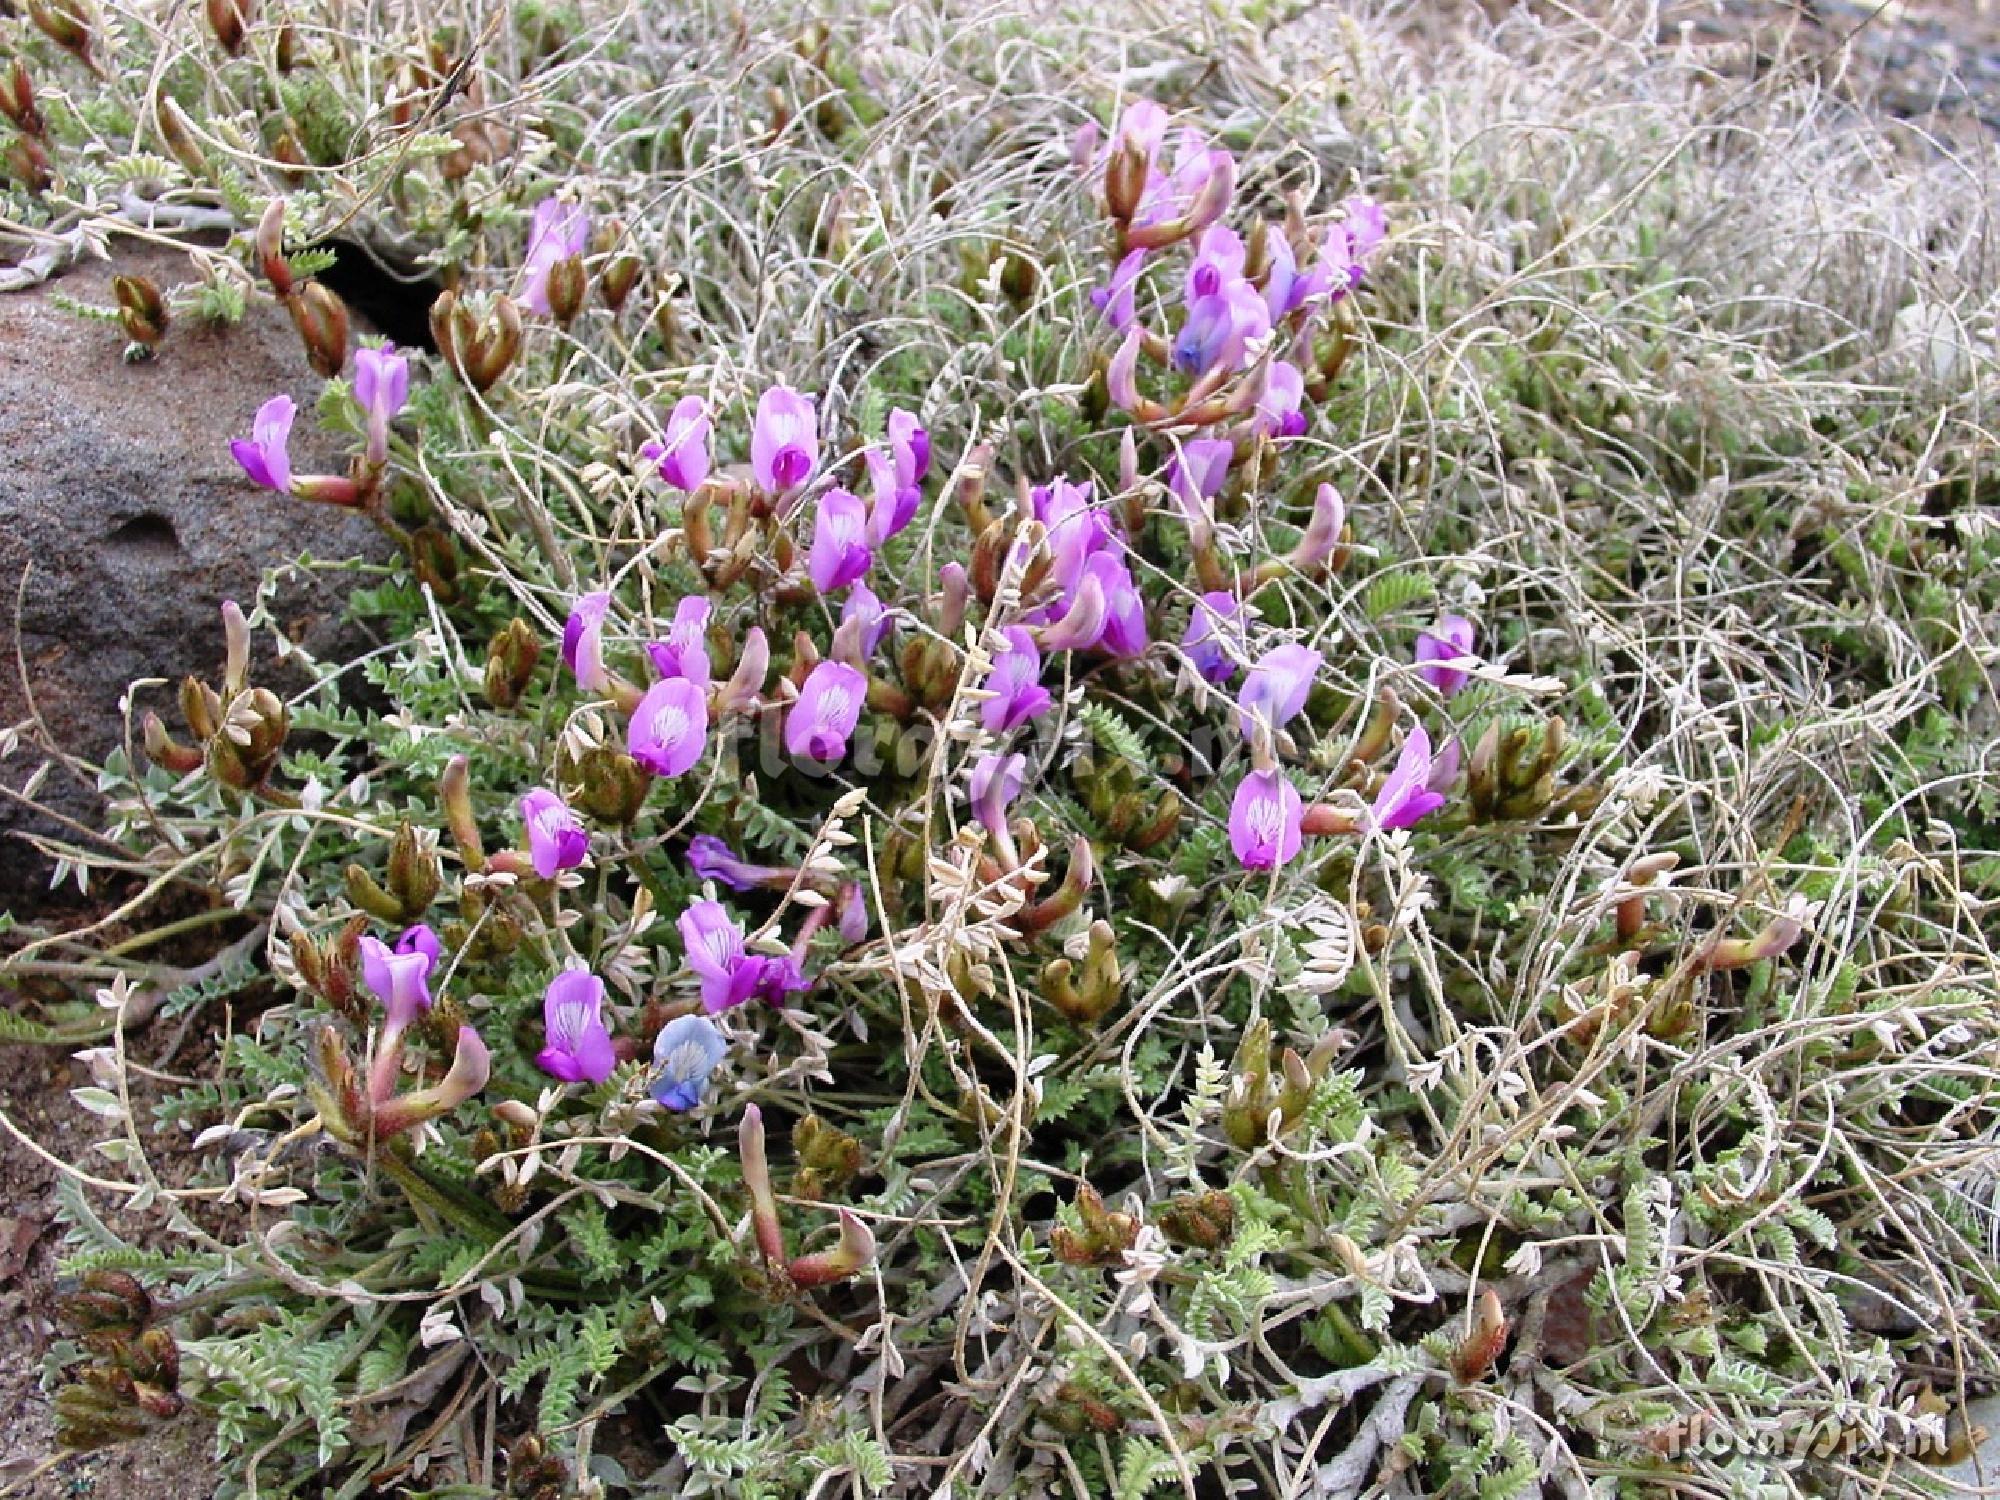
x=121, y=505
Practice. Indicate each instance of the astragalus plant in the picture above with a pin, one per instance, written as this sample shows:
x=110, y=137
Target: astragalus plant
x=1108, y=758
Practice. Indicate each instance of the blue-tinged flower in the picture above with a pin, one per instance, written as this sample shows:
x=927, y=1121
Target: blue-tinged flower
x=1213, y=625
x=556, y=838
x=685, y=1054
x=712, y=859
x=1118, y=300
x=1276, y=688
x=577, y=1045
x=1220, y=328
x=684, y=653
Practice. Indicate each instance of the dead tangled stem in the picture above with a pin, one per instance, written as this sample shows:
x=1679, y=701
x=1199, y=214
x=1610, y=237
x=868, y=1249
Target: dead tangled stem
x=1646, y=377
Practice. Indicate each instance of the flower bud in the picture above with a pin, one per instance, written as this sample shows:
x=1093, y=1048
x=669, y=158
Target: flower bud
x=1125, y=180
x=1485, y=1338
x=455, y=792
x=270, y=244
x=28, y=164
x=64, y=23
x=612, y=786
x=321, y=319
x=415, y=872
x=228, y=20
x=434, y=561
x=142, y=312
x=165, y=752
x=17, y=100
x=1198, y=1221
x=471, y=1066
x=1103, y=1235
x=756, y=1173
x=201, y=708
x=1247, y=1106
x=510, y=662
x=493, y=345
x=1067, y=898
x=856, y=1248
x=286, y=53
x=567, y=285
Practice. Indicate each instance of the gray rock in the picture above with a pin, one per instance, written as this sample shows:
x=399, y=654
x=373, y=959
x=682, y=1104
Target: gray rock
x=123, y=510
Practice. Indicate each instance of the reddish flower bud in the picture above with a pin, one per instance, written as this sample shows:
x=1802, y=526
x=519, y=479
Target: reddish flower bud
x=321, y=319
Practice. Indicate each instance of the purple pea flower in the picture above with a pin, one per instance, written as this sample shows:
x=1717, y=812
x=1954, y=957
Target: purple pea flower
x=1442, y=652
x=1218, y=260
x=1278, y=413
x=1266, y=821
x=862, y=605
x=556, y=840
x=669, y=728
x=1406, y=796
x=1118, y=300
x=714, y=943
x=684, y=1054
x=1283, y=290
x=910, y=442
x=1016, y=679
x=1216, y=618
x=1367, y=226
x=778, y=976
x=712, y=859
x=829, y=707
x=1220, y=328
x=1195, y=475
x=840, y=552
x=577, y=1046
x=266, y=454
x=381, y=386
x=1142, y=124
x=684, y=653
x=1276, y=688
x=1124, y=631
x=583, y=642
x=1121, y=376
x=1077, y=530
x=784, y=443
x=994, y=784
x=895, y=501
x=399, y=977
x=681, y=452
x=557, y=231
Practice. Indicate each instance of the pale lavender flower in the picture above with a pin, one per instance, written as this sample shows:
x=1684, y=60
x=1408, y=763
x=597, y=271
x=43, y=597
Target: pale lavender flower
x=1266, y=821
x=557, y=231
x=577, y=1045
x=1216, y=620
x=1278, y=413
x=1220, y=328
x=1121, y=376
x=669, y=728
x=1016, y=679
x=381, y=386
x=1322, y=533
x=829, y=707
x=583, y=642
x=1276, y=688
x=874, y=620
x=994, y=784
x=1218, y=260
x=1118, y=300
x=681, y=452
x=1194, y=477
x=1406, y=796
x=714, y=943
x=712, y=859
x=1283, y=290
x=684, y=1055
x=556, y=838
x=840, y=552
x=1367, y=226
x=1444, y=652
x=910, y=442
x=684, y=653
x=266, y=454
x=784, y=443
x=1142, y=124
